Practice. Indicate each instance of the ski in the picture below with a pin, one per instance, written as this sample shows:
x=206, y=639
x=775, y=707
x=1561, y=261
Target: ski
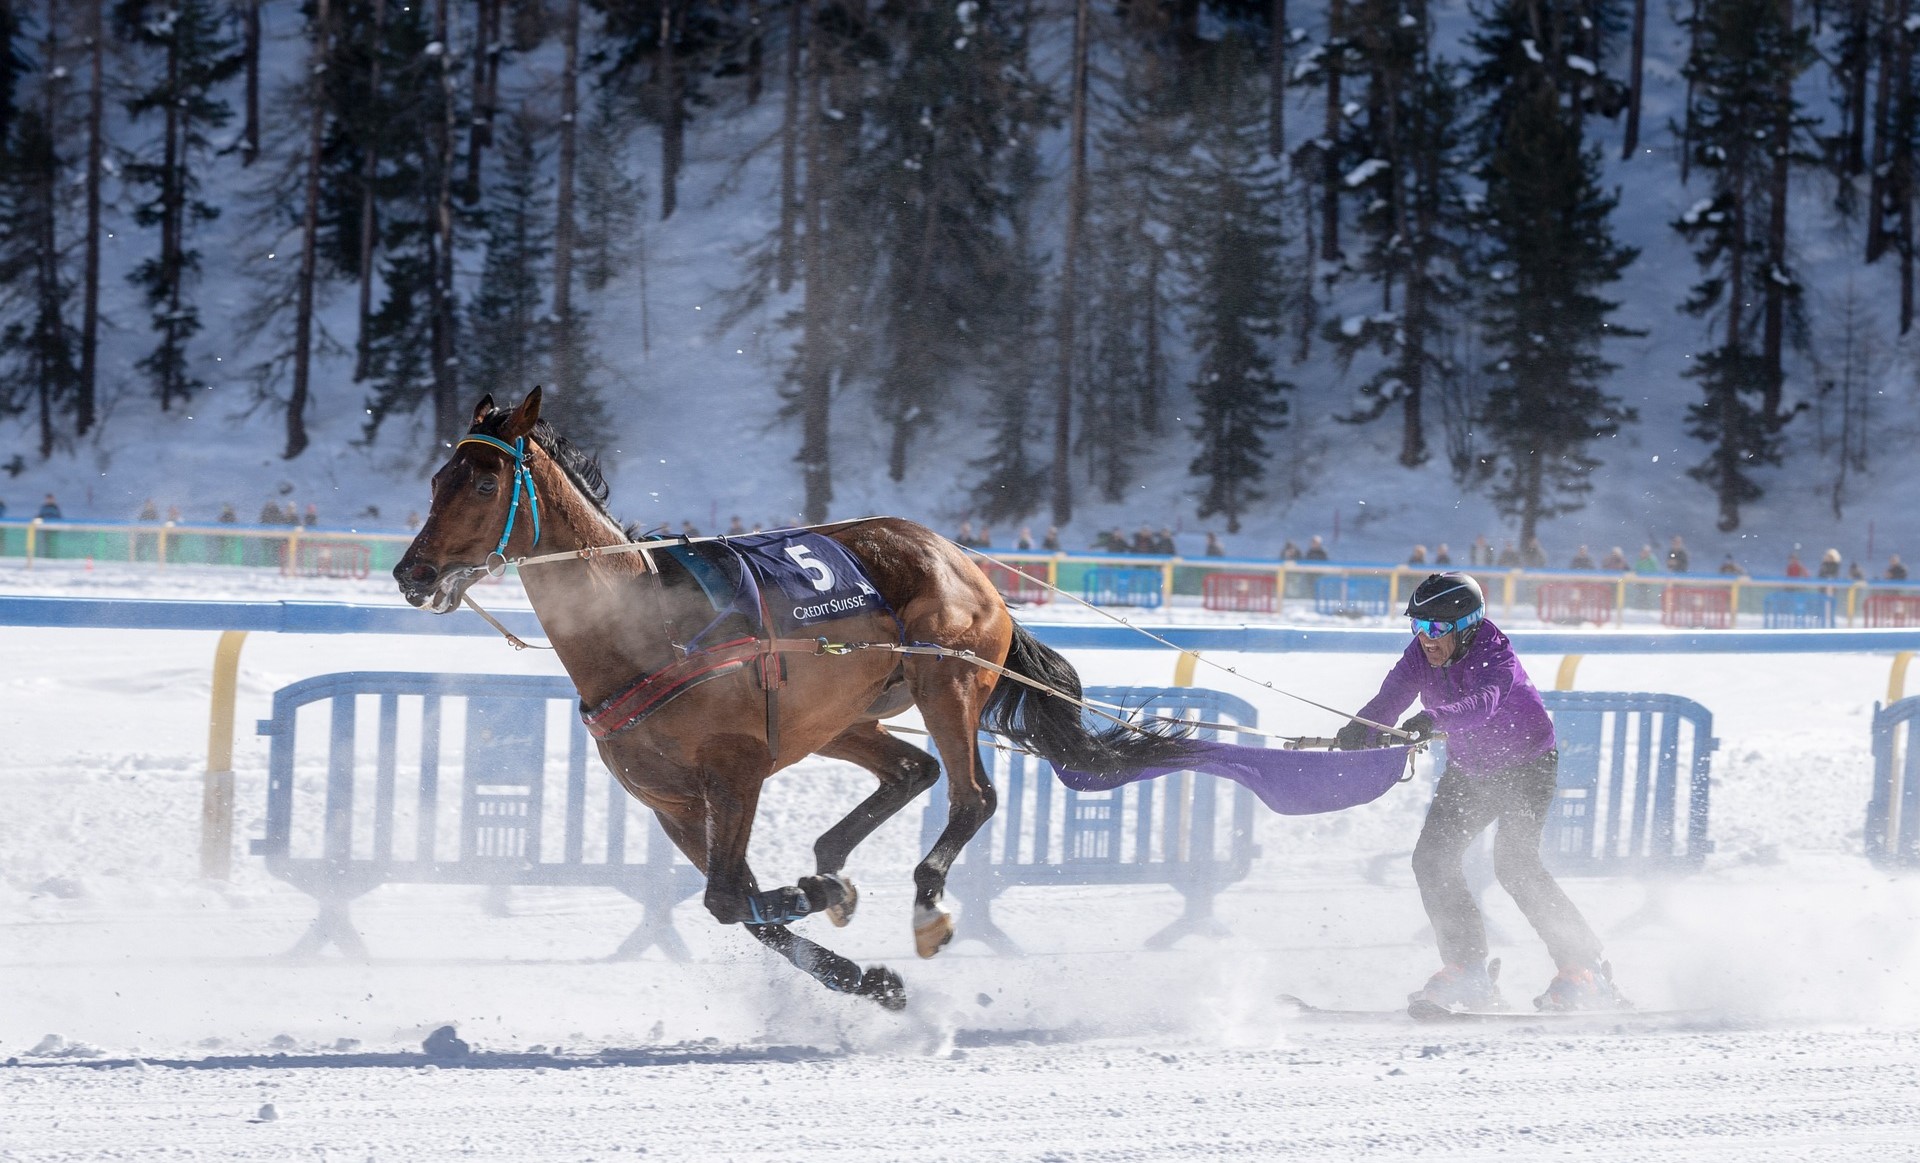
x=1426, y=1011
x=1306, y=1010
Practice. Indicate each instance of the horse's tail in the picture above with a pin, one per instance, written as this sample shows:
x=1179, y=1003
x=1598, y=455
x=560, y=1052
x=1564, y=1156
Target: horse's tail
x=1051, y=727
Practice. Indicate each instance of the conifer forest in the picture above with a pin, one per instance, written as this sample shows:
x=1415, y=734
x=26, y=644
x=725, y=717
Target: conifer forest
x=1087, y=229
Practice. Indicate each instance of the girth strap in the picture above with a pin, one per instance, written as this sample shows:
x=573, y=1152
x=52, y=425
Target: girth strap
x=650, y=692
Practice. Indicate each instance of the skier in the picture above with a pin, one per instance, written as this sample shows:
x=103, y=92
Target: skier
x=1501, y=766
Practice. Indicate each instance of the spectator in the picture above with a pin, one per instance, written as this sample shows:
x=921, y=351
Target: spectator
x=173, y=514
x=1480, y=553
x=1289, y=551
x=986, y=538
x=1677, y=559
x=1110, y=541
x=227, y=515
x=270, y=514
x=1051, y=542
x=1830, y=565
x=1645, y=564
x=964, y=537
x=149, y=513
x=1536, y=556
x=686, y=528
x=1441, y=556
x=1024, y=542
x=1509, y=557
x=1731, y=568
x=736, y=527
x=1896, y=570
x=1143, y=540
x=1855, y=573
x=1616, y=561
x=49, y=509
x=1214, y=548
x=413, y=519
x=3, y=510
x=1795, y=568
x=1163, y=543
x=1581, y=559
x=1316, y=551
x=312, y=517
x=1418, y=556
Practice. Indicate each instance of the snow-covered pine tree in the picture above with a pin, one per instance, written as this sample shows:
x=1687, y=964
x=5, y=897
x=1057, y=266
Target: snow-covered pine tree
x=1413, y=220
x=1549, y=252
x=611, y=232
x=189, y=59
x=945, y=129
x=1744, y=121
x=508, y=340
x=1238, y=274
x=39, y=368
x=1013, y=482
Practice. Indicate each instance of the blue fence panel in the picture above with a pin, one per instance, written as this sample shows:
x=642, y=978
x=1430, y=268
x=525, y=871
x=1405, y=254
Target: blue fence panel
x=1893, y=812
x=1797, y=610
x=1352, y=597
x=519, y=814
x=1192, y=832
x=1104, y=586
x=1635, y=771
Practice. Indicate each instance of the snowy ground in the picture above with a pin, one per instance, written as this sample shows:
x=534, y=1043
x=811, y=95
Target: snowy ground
x=175, y=1024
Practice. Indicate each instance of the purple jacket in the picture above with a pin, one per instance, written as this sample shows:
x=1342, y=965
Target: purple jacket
x=1484, y=702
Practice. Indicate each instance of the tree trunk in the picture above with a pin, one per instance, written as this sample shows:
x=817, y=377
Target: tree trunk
x=1069, y=288
x=1330, y=157
x=756, y=52
x=370, y=173
x=790, y=145
x=1902, y=180
x=1860, y=49
x=446, y=385
x=480, y=124
x=1636, y=58
x=1686, y=124
x=672, y=114
x=250, y=50
x=566, y=370
x=46, y=203
x=1277, y=82
x=96, y=168
x=1773, y=338
x=309, y=234
x=172, y=198
x=1883, y=134
x=816, y=373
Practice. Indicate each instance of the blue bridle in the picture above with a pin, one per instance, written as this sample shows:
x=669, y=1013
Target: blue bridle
x=522, y=472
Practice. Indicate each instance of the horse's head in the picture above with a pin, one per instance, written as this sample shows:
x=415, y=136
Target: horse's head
x=482, y=506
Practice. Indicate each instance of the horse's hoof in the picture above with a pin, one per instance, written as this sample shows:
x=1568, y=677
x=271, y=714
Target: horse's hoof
x=931, y=936
x=841, y=911
x=884, y=986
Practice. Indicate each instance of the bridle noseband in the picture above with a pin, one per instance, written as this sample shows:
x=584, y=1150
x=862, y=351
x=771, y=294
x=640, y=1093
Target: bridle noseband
x=497, y=560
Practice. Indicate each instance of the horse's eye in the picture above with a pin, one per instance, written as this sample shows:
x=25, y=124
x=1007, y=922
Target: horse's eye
x=486, y=485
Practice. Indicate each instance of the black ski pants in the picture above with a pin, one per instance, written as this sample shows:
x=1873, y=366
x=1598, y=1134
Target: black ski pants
x=1518, y=798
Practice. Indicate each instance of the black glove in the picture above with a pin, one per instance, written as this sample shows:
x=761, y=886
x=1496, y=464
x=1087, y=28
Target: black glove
x=1353, y=736
x=1420, y=727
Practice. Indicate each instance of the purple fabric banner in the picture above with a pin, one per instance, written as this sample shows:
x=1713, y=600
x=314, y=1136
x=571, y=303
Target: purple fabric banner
x=1293, y=783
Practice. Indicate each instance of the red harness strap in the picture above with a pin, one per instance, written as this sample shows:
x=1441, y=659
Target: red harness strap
x=652, y=691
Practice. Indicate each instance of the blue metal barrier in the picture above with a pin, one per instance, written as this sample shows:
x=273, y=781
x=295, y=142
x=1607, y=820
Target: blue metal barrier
x=1351, y=597
x=1797, y=610
x=1191, y=832
x=1622, y=797
x=1124, y=587
x=513, y=813
x=1893, y=812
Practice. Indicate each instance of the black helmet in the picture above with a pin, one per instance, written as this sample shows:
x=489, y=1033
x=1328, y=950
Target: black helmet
x=1446, y=597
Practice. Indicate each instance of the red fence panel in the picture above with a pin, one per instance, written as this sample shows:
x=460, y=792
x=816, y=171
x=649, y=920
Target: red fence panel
x=1697, y=607
x=1021, y=585
x=333, y=559
x=1893, y=611
x=1243, y=593
x=1570, y=603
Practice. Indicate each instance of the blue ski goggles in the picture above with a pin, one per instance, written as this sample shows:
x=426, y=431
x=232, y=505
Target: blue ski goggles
x=1432, y=628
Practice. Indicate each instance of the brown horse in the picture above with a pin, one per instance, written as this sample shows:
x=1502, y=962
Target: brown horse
x=699, y=756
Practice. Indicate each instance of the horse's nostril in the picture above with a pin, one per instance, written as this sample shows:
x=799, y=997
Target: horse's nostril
x=421, y=574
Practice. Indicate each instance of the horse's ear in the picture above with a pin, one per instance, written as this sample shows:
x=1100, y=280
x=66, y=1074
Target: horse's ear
x=481, y=409
x=521, y=421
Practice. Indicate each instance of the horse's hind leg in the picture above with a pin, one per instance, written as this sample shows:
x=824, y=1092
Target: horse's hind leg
x=904, y=771
x=950, y=695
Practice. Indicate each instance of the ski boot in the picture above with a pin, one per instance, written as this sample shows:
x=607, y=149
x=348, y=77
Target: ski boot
x=1582, y=988
x=1462, y=987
